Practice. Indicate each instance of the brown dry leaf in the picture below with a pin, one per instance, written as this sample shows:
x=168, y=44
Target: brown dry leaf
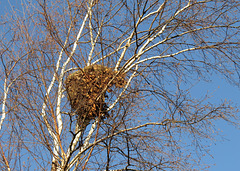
x=83, y=89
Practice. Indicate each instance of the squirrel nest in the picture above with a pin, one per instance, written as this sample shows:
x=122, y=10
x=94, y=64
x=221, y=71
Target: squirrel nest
x=87, y=88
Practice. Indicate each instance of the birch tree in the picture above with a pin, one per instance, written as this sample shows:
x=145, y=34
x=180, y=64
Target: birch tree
x=162, y=47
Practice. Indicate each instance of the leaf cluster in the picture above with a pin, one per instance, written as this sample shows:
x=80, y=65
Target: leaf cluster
x=87, y=88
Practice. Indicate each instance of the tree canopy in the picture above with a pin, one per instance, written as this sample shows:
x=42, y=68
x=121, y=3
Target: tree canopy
x=135, y=60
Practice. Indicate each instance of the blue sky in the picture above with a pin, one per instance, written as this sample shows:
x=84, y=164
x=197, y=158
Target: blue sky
x=226, y=154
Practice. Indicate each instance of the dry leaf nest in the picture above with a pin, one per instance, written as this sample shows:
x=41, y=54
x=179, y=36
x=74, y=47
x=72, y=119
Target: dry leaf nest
x=85, y=89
